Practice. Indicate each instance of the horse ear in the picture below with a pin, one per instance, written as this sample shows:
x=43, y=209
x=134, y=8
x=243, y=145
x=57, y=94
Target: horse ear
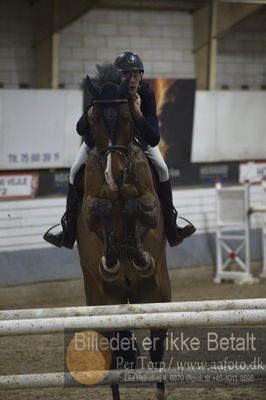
x=123, y=88
x=93, y=88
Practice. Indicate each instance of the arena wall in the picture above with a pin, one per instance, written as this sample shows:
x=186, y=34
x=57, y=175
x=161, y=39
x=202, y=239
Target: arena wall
x=25, y=257
x=166, y=46
x=163, y=38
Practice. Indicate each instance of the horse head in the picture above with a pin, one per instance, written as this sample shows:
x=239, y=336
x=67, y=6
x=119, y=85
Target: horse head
x=112, y=129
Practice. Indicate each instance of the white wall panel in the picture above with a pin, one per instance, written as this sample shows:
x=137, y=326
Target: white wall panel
x=38, y=128
x=23, y=222
x=229, y=126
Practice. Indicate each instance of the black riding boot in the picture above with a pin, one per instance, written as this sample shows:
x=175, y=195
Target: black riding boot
x=68, y=235
x=174, y=233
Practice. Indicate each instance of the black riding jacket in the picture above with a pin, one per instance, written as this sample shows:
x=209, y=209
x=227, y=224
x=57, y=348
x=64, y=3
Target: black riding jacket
x=146, y=128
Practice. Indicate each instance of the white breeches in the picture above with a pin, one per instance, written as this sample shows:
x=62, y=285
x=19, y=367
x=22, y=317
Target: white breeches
x=153, y=153
x=80, y=159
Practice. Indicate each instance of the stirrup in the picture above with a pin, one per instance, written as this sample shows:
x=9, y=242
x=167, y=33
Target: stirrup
x=174, y=241
x=51, y=229
x=190, y=223
x=52, y=238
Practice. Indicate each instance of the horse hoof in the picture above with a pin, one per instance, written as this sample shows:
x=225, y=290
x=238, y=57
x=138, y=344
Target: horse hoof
x=109, y=274
x=147, y=270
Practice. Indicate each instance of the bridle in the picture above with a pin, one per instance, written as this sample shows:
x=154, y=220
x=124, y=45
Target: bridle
x=124, y=151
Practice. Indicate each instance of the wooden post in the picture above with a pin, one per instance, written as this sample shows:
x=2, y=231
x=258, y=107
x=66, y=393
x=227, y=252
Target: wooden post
x=210, y=23
x=47, y=62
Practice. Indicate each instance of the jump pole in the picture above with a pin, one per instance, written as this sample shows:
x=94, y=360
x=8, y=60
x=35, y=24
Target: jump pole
x=209, y=305
x=61, y=379
x=148, y=321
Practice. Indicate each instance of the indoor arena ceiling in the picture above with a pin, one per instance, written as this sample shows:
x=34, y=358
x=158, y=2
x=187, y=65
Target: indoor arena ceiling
x=185, y=5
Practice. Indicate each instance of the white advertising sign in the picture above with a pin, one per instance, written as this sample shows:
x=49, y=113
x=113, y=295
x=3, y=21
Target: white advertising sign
x=229, y=126
x=38, y=128
x=254, y=172
x=19, y=186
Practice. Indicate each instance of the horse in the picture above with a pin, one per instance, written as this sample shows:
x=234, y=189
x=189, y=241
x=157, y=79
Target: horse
x=120, y=229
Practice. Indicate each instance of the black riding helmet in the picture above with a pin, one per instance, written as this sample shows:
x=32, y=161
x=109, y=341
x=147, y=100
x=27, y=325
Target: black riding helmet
x=128, y=61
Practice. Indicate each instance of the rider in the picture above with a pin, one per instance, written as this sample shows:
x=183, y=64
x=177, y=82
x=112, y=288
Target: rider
x=143, y=109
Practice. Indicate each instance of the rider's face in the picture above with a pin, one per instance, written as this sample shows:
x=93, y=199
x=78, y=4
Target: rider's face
x=134, y=81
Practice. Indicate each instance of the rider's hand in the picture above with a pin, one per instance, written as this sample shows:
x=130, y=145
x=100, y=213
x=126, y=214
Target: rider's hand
x=135, y=106
x=137, y=101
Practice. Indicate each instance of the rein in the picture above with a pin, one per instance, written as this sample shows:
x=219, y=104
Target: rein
x=109, y=101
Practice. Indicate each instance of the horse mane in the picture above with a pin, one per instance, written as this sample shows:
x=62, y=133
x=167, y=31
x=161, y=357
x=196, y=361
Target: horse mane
x=107, y=72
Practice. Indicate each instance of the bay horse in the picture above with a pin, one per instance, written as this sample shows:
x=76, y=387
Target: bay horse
x=120, y=230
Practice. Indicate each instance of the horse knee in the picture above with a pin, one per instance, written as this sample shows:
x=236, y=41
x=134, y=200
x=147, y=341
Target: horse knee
x=102, y=208
x=132, y=209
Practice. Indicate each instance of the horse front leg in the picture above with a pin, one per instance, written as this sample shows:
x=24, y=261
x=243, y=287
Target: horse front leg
x=101, y=210
x=115, y=392
x=156, y=353
x=140, y=209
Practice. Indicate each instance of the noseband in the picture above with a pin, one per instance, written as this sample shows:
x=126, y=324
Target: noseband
x=124, y=151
